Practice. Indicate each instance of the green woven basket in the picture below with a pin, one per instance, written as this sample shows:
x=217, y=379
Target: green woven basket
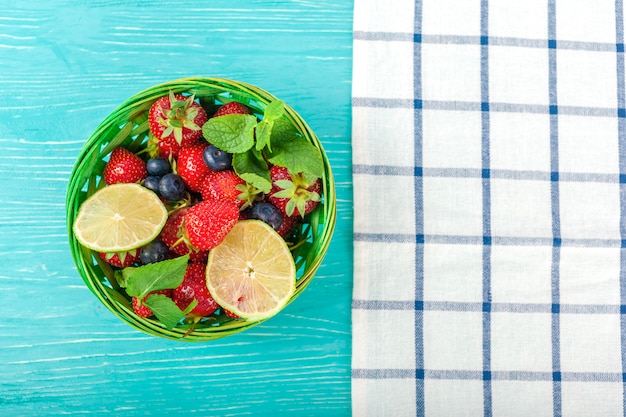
x=128, y=126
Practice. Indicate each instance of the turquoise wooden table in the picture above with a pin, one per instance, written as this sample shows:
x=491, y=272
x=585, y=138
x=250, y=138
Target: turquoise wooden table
x=64, y=66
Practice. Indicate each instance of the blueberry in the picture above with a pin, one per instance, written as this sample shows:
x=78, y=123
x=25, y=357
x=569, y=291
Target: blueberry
x=217, y=159
x=268, y=213
x=172, y=187
x=158, y=166
x=155, y=251
x=152, y=183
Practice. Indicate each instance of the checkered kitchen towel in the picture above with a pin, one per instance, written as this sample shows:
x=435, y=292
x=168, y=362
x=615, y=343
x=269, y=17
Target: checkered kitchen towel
x=489, y=162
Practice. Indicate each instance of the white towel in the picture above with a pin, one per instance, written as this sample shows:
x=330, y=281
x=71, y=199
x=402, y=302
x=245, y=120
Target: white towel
x=489, y=166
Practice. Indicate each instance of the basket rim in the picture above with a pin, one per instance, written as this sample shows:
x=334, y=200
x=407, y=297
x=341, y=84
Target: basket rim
x=89, y=155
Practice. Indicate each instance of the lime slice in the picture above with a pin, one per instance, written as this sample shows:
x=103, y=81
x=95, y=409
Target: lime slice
x=251, y=273
x=119, y=217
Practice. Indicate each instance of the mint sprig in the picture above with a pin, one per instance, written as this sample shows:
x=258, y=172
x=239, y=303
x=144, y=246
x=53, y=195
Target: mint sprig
x=233, y=133
x=164, y=275
x=253, y=142
x=143, y=280
x=166, y=310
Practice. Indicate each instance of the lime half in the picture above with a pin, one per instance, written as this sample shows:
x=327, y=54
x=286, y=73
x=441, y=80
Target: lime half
x=119, y=217
x=252, y=272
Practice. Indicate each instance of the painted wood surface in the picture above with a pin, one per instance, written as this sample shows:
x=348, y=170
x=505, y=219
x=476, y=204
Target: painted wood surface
x=64, y=65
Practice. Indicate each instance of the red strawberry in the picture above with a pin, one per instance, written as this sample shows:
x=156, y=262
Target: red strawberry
x=124, y=166
x=121, y=259
x=226, y=185
x=287, y=225
x=177, y=117
x=232, y=107
x=168, y=147
x=141, y=309
x=194, y=287
x=172, y=236
x=207, y=223
x=294, y=194
x=191, y=166
x=230, y=314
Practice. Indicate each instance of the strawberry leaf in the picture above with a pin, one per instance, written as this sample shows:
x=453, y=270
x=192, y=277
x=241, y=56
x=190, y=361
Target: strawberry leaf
x=233, y=133
x=162, y=275
x=166, y=310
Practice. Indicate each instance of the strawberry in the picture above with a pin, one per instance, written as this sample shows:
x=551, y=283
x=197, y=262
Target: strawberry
x=168, y=147
x=232, y=107
x=207, y=223
x=172, y=236
x=124, y=166
x=230, y=314
x=287, y=225
x=121, y=259
x=176, y=117
x=172, y=232
x=194, y=287
x=143, y=310
x=226, y=185
x=294, y=193
x=191, y=166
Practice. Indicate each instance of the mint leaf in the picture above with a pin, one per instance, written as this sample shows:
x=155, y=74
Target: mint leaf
x=298, y=155
x=283, y=131
x=233, y=133
x=253, y=169
x=165, y=309
x=122, y=274
x=157, y=276
x=263, y=133
x=274, y=110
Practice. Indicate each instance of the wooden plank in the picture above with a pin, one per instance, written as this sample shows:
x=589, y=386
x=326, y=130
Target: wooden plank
x=63, y=67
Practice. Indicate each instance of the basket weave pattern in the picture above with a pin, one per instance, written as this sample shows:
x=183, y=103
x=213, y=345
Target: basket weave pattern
x=127, y=126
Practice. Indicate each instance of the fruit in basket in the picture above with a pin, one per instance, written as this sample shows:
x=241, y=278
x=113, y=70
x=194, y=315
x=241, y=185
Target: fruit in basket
x=158, y=166
x=211, y=190
x=155, y=251
x=251, y=273
x=206, y=224
x=232, y=107
x=112, y=221
x=141, y=309
x=121, y=259
x=176, y=117
x=294, y=193
x=124, y=166
x=217, y=159
x=192, y=288
x=268, y=213
x=225, y=185
x=172, y=187
x=191, y=166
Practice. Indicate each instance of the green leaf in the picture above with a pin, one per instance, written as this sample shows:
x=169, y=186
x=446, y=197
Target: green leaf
x=191, y=306
x=233, y=133
x=263, y=133
x=298, y=155
x=162, y=275
x=283, y=131
x=121, y=276
x=253, y=169
x=274, y=110
x=165, y=309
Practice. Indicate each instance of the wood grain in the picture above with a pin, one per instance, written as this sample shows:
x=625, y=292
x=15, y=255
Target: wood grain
x=64, y=65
